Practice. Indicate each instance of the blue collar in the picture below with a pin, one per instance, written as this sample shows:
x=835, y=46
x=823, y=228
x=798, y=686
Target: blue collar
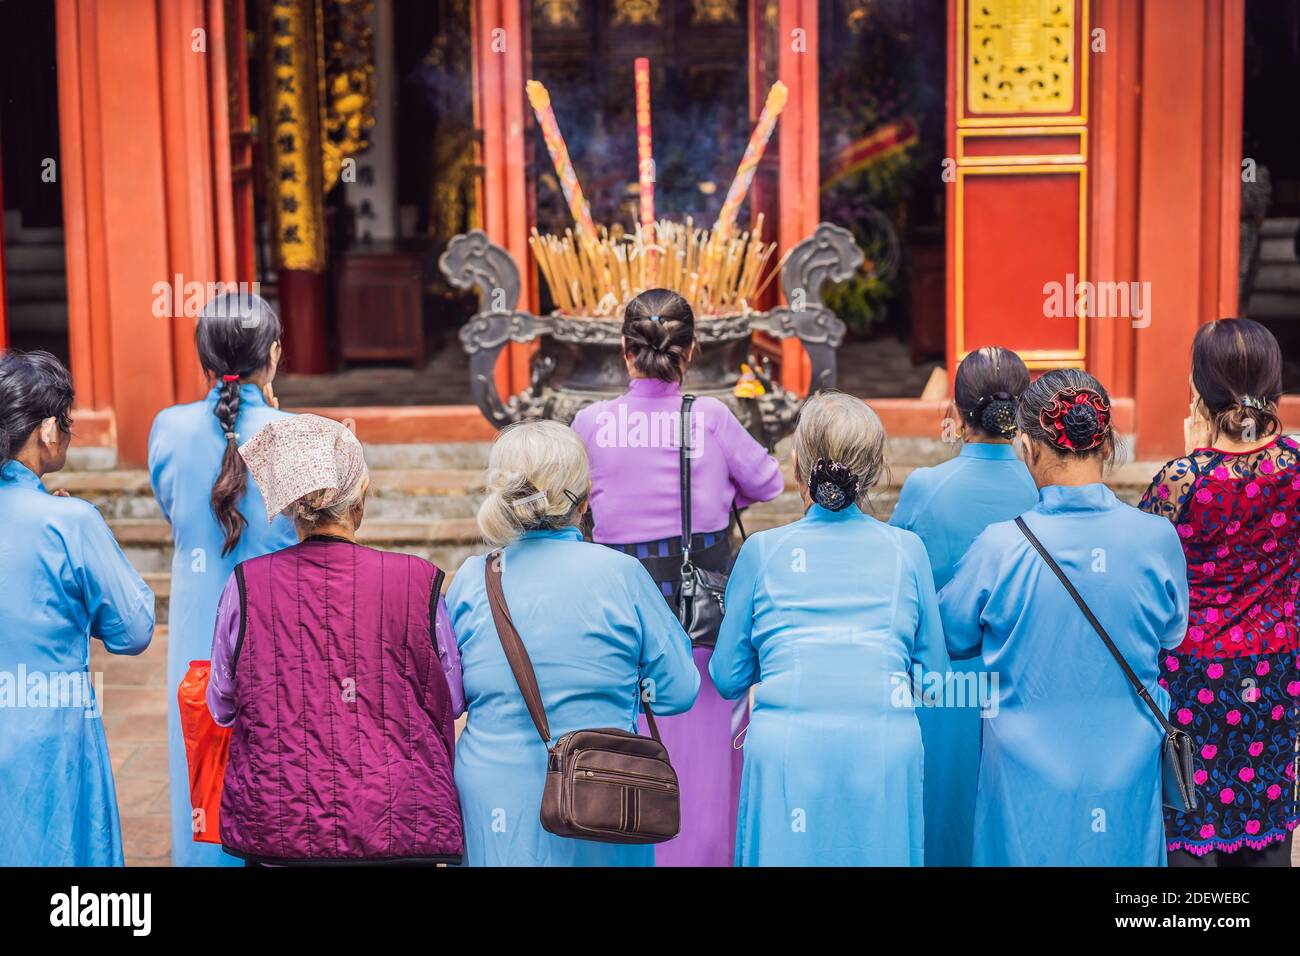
x=816, y=512
x=1060, y=499
x=570, y=533
x=20, y=474
x=988, y=451
x=249, y=394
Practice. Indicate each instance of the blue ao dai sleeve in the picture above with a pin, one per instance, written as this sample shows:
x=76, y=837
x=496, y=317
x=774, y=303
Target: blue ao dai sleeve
x=119, y=604
x=734, y=663
x=670, y=680
x=928, y=649
x=963, y=599
x=157, y=465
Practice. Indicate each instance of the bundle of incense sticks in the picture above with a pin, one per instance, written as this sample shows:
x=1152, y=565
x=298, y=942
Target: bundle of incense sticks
x=718, y=276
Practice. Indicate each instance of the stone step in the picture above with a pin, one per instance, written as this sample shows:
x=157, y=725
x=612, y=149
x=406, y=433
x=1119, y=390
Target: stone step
x=1274, y=305
x=395, y=494
x=1280, y=226
x=37, y=316
x=1278, y=277
x=35, y=258
x=1277, y=249
x=36, y=287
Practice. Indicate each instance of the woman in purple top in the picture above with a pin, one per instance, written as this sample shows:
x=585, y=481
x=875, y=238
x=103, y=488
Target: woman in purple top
x=633, y=445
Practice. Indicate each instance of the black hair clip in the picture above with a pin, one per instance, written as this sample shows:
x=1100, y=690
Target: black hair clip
x=832, y=485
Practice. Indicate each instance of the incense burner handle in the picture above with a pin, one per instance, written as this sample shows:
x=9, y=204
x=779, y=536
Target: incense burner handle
x=828, y=255
x=473, y=260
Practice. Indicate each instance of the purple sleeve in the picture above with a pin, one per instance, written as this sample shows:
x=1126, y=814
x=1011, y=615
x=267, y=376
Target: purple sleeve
x=754, y=472
x=221, y=682
x=449, y=655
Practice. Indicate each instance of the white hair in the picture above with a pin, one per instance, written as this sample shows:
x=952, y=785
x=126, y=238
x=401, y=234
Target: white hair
x=839, y=427
x=531, y=466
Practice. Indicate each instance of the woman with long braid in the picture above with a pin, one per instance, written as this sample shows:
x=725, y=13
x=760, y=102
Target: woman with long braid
x=217, y=515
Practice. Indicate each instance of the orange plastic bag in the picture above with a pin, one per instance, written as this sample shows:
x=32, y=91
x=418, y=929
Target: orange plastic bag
x=206, y=749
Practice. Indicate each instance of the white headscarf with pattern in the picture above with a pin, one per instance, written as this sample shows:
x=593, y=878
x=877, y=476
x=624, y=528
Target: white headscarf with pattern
x=297, y=456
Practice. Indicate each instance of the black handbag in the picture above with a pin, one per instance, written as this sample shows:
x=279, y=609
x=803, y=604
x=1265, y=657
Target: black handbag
x=700, y=593
x=1177, y=756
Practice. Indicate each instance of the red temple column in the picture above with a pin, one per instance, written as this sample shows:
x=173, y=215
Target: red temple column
x=137, y=144
x=799, y=172
x=1189, y=183
x=500, y=41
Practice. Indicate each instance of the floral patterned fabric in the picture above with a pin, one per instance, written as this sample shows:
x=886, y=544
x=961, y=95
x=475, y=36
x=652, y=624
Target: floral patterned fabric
x=1235, y=679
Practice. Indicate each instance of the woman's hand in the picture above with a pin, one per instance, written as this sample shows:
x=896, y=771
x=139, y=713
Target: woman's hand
x=1196, y=430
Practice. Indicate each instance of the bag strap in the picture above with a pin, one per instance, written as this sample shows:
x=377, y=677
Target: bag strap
x=685, y=449
x=521, y=664
x=684, y=454
x=1096, y=626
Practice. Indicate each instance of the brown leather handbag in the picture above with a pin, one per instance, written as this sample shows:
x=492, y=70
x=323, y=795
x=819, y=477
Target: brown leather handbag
x=605, y=785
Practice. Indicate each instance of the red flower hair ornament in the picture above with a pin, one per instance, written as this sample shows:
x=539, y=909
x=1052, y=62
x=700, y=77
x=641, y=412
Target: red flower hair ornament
x=1078, y=419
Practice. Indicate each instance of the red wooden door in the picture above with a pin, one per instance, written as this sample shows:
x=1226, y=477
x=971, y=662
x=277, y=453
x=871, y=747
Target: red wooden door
x=1017, y=168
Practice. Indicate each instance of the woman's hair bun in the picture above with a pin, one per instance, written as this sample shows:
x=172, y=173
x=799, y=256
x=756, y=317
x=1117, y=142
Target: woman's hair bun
x=832, y=485
x=997, y=415
x=658, y=330
x=1081, y=423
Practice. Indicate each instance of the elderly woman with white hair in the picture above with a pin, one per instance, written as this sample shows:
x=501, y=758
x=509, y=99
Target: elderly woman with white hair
x=597, y=630
x=833, y=617
x=336, y=668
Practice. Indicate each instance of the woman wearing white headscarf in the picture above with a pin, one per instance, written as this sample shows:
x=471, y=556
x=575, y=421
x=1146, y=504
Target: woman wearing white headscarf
x=336, y=668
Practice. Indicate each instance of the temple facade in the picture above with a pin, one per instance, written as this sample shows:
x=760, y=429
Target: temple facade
x=1070, y=171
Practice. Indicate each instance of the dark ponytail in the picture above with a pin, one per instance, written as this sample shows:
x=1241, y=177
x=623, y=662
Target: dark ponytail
x=234, y=337
x=1237, y=370
x=658, y=331
x=34, y=386
x=987, y=389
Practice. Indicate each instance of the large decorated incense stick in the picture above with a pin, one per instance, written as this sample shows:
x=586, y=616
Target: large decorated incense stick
x=776, y=98
x=644, y=149
x=541, y=103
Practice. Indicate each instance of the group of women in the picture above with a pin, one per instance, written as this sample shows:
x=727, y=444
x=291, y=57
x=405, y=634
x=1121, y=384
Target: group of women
x=827, y=725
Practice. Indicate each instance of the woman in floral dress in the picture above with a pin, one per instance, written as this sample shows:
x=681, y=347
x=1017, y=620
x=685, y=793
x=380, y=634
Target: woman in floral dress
x=1235, y=680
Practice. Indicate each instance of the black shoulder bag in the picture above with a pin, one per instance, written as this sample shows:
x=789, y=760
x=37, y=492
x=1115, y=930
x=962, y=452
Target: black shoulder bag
x=700, y=594
x=1179, y=788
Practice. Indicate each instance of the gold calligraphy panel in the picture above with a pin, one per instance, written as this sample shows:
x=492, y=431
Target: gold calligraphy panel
x=291, y=125
x=1020, y=56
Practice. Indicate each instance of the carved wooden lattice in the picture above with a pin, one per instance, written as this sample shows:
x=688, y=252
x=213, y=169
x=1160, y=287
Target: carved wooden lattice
x=1020, y=56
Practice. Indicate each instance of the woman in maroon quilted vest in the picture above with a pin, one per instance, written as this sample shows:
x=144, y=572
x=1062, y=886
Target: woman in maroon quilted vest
x=336, y=669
